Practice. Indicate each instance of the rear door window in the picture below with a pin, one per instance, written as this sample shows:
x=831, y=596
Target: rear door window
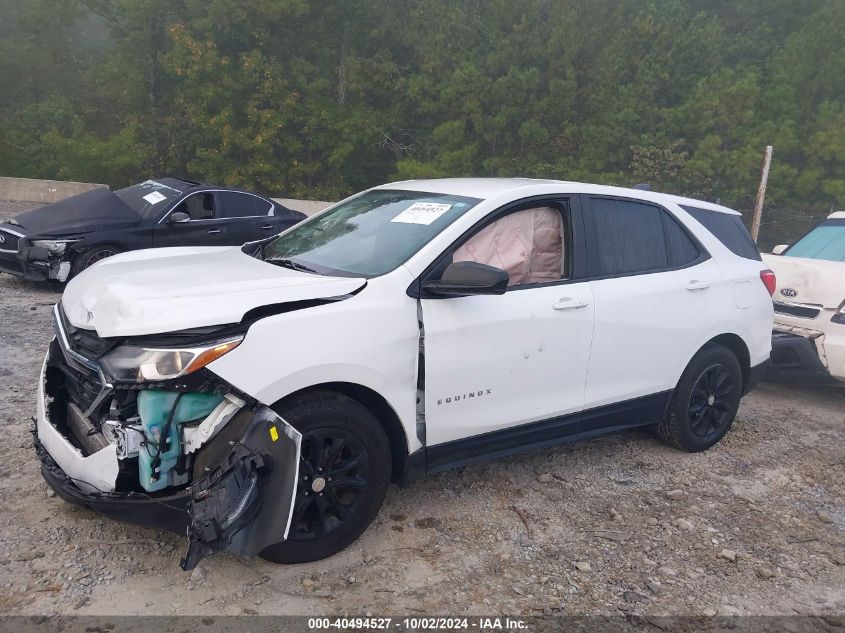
x=628, y=237
x=241, y=205
x=728, y=229
x=636, y=237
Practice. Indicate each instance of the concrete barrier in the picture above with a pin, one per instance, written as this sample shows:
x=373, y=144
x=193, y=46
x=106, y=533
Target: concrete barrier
x=46, y=191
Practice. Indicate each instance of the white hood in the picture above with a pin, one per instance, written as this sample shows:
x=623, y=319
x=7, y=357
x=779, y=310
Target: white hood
x=169, y=289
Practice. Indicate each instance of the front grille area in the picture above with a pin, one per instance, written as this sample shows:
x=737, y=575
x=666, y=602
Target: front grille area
x=10, y=241
x=82, y=387
x=84, y=342
x=77, y=362
x=792, y=309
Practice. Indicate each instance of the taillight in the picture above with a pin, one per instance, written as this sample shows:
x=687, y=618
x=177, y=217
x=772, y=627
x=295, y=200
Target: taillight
x=769, y=280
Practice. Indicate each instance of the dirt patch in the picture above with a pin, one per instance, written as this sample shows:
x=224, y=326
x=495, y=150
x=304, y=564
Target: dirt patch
x=619, y=524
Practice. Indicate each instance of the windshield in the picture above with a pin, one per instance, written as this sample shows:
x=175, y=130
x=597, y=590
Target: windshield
x=369, y=235
x=148, y=198
x=826, y=241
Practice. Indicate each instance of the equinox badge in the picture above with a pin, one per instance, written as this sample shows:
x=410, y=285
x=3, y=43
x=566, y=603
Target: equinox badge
x=465, y=396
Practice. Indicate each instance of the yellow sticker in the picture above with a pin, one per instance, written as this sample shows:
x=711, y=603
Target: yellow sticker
x=274, y=434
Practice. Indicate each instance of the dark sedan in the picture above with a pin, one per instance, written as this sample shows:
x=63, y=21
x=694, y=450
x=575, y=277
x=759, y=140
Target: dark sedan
x=59, y=240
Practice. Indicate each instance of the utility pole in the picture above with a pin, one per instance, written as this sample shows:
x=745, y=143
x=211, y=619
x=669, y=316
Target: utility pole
x=761, y=193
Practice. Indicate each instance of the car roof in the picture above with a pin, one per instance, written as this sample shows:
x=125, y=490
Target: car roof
x=487, y=188
x=186, y=185
x=837, y=215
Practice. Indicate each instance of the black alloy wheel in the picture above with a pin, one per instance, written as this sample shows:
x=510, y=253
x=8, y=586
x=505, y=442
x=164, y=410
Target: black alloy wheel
x=344, y=472
x=334, y=472
x=705, y=401
x=709, y=403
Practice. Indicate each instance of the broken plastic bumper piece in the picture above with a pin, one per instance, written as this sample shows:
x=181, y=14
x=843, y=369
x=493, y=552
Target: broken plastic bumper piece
x=240, y=498
x=244, y=482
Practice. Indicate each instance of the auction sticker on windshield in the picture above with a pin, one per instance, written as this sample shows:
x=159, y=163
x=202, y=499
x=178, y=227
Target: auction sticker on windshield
x=422, y=213
x=154, y=198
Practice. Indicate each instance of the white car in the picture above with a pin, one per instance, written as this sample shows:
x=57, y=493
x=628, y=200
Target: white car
x=275, y=390
x=809, y=336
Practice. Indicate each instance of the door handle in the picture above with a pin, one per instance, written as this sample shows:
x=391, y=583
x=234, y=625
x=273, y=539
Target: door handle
x=267, y=227
x=214, y=231
x=696, y=284
x=569, y=304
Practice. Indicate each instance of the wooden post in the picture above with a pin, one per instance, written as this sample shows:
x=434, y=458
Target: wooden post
x=761, y=193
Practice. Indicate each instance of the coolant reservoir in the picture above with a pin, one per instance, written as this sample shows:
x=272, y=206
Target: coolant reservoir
x=154, y=406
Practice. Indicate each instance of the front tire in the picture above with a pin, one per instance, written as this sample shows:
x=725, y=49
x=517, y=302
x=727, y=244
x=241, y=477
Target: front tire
x=91, y=256
x=705, y=401
x=344, y=472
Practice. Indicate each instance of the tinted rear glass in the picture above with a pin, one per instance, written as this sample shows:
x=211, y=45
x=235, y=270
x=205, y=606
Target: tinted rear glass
x=728, y=229
x=629, y=237
x=241, y=205
x=682, y=250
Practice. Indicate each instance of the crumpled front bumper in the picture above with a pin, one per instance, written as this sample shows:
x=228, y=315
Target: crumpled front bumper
x=35, y=264
x=166, y=512
x=240, y=499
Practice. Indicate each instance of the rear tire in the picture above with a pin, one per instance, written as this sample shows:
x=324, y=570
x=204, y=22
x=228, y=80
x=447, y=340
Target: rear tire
x=705, y=401
x=344, y=472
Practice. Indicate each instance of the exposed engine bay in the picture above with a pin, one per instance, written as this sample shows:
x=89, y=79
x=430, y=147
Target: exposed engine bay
x=231, y=462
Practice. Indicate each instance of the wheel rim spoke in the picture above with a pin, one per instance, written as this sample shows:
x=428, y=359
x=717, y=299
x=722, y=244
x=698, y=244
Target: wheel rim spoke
x=356, y=483
x=334, y=451
x=299, y=509
x=333, y=482
x=342, y=510
x=315, y=450
x=345, y=466
x=320, y=504
x=710, y=401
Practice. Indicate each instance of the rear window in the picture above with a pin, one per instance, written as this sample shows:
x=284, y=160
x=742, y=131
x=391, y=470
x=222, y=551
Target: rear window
x=728, y=229
x=629, y=237
x=633, y=237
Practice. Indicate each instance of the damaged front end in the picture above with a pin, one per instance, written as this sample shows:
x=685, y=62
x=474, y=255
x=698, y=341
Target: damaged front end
x=186, y=453
x=34, y=259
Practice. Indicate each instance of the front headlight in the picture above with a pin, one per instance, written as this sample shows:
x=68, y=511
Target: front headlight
x=56, y=247
x=142, y=364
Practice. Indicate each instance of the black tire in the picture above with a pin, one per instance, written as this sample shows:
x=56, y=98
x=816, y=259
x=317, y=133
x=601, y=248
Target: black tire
x=343, y=438
x=91, y=256
x=705, y=401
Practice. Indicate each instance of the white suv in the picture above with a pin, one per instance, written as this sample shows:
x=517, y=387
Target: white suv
x=275, y=390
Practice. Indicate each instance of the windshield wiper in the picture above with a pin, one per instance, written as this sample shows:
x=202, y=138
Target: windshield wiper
x=289, y=263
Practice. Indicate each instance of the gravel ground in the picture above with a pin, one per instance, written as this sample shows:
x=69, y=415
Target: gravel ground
x=619, y=524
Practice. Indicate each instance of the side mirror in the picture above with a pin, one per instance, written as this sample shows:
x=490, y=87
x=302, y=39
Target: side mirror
x=469, y=278
x=779, y=249
x=178, y=217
